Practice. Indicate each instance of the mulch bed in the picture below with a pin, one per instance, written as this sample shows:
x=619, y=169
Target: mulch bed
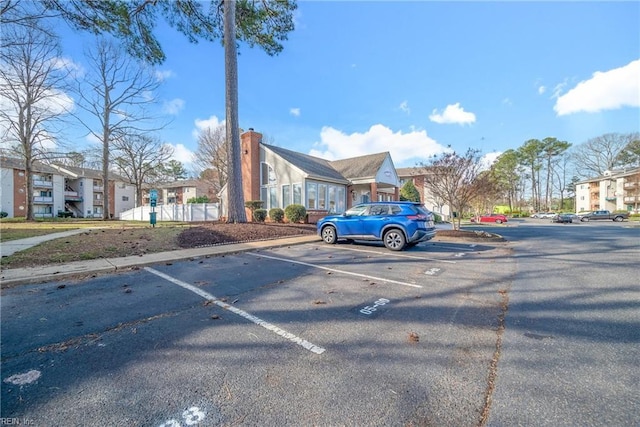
x=219, y=233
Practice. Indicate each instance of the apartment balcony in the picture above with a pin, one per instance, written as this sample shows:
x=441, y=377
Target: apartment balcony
x=632, y=199
x=43, y=200
x=98, y=189
x=631, y=185
x=42, y=184
x=72, y=196
x=97, y=202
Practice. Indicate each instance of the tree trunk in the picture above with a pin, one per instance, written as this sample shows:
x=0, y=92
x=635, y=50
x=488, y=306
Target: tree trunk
x=235, y=195
x=105, y=157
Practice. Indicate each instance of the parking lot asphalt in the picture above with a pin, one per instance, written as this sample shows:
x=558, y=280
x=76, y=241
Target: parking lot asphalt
x=539, y=330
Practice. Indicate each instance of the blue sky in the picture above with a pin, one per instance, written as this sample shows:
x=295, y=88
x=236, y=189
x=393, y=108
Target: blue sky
x=413, y=78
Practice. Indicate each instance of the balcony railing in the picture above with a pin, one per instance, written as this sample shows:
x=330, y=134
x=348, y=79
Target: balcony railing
x=42, y=184
x=96, y=188
x=97, y=202
x=632, y=199
x=631, y=184
x=72, y=196
x=42, y=199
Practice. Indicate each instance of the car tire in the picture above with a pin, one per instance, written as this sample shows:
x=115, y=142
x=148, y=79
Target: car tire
x=329, y=235
x=585, y=220
x=498, y=221
x=617, y=219
x=394, y=239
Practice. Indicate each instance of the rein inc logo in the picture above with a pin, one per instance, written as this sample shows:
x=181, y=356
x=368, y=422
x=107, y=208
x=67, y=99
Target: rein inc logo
x=16, y=422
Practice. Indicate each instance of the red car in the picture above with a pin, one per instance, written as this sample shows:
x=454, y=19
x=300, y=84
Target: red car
x=497, y=218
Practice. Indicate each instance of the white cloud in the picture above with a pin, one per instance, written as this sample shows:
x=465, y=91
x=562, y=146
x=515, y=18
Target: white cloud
x=334, y=144
x=75, y=69
x=202, y=124
x=295, y=112
x=182, y=154
x=173, y=107
x=404, y=106
x=453, y=114
x=542, y=89
x=164, y=75
x=608, y=90
x=489, y=159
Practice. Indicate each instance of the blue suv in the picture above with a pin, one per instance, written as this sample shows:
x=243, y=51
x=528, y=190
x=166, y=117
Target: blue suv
x=396, y=224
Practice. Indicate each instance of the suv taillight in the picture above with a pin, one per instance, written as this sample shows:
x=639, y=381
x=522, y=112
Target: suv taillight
x=419, y=217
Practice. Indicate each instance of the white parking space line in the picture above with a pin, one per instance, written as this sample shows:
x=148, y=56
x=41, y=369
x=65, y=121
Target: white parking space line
x=291, y=337
x=395, y=254
x=468, y=247
x=366, y=276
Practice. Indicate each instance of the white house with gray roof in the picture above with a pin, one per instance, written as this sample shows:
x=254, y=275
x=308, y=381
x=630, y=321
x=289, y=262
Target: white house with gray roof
x=280, y=177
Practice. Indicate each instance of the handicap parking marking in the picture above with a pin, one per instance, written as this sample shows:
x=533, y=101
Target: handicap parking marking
x=433, y=271
x=334, y=270
x=291, y=337
x=394, y=254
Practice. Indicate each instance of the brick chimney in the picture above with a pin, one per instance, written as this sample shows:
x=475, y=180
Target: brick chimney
x=250, y=162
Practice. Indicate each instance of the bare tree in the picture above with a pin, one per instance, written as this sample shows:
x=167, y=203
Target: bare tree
x=31, y=98
x=600, y=154
x=116, y=95
x=630, y=154
x=458, y=180
x=138, y=158
x=212, y=156
x=24, y=16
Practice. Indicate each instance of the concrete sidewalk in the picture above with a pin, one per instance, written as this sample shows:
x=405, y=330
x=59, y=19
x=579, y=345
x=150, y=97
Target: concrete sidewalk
x=10, y=247
x=16, y=276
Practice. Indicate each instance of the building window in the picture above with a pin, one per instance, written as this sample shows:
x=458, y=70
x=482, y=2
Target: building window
x=297, y=194
x=322, y=196
x=269, y=186
x=273, y=197
x=340, y=200
x=125, y=198
x=286, y=196
x=312, y=195
x=268, y=175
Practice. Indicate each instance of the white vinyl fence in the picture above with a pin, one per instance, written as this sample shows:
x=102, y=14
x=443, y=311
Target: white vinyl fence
x=172, y=212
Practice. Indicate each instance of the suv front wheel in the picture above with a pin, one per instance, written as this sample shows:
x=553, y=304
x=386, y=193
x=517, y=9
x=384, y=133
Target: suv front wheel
x=329, y=235
x=394, y=239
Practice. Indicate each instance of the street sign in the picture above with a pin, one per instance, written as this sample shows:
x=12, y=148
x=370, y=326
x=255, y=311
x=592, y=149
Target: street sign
x=153, y=198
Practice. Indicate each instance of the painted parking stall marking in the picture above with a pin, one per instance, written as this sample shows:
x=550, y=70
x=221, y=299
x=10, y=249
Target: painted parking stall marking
x=393, y=254
x=373, y=310
x=334, y=270
x=273, y=328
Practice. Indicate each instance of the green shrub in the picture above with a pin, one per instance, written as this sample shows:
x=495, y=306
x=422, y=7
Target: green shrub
x=3, y=214
x=253, y=205
x=295, y=213
x=276, y=214
x=199, y=199
x=259, y=215
x=437, y=218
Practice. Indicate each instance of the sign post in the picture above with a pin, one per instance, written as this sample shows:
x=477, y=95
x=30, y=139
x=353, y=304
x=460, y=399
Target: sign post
x=153, y=201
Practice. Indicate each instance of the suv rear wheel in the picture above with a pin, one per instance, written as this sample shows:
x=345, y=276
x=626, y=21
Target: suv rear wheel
x=394, y=239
